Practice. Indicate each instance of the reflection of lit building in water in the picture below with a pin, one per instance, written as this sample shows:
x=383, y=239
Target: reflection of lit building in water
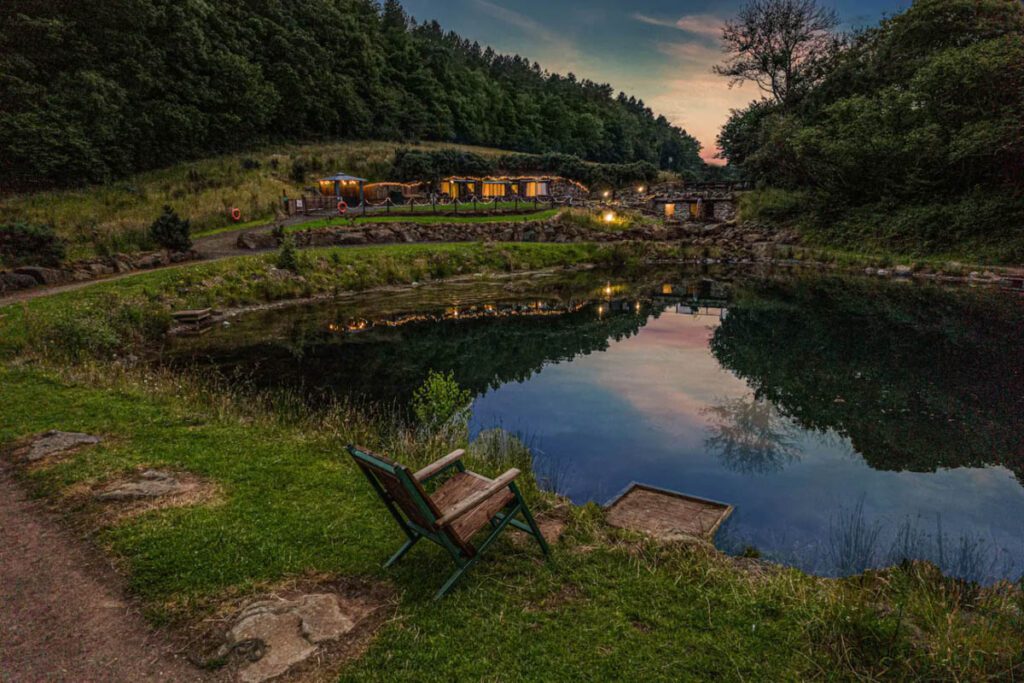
x=702, y=298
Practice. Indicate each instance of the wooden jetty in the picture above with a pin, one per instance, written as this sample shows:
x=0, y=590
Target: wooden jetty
x=666, y=515
x=194, y=322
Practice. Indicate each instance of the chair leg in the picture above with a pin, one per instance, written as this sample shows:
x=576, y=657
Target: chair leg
x=533, y=523
x=406, y=547
x=456, y=575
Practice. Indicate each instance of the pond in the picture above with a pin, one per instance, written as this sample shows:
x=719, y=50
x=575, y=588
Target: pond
x=852, y=422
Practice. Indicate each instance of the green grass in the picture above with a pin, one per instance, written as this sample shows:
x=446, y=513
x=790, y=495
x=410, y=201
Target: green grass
x=609, y=606
x=545, y=215
x=114, y=217
x=110, y=318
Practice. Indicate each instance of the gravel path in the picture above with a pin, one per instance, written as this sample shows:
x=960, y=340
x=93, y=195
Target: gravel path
x=63, y=616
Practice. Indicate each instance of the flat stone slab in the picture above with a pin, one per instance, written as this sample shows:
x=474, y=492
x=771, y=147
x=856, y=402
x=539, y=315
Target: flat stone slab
x=56, y=442
x=667, y=515
x=146, y=485
x=277, y=634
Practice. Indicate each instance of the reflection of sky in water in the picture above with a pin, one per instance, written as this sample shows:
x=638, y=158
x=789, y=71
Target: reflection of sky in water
x=639, y=412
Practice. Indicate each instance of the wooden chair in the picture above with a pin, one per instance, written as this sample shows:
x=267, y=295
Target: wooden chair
x=454, y=513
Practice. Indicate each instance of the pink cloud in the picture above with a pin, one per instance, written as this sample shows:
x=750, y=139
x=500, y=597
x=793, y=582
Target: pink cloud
x=700, y=24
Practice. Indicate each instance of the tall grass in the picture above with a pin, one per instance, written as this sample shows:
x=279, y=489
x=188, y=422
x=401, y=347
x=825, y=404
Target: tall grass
x=108, y=218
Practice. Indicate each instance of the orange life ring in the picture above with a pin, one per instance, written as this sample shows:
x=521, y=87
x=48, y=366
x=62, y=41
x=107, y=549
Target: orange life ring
x=342, y=207
x=236, y=214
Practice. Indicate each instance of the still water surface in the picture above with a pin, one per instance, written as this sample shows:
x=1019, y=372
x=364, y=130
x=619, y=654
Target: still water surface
x=853, y=423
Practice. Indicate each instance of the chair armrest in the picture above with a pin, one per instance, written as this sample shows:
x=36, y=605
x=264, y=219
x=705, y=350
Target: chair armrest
x=434, y=469
x=468, y=505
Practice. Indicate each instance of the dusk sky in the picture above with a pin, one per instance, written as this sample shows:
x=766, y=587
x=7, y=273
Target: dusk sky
x=659, y=50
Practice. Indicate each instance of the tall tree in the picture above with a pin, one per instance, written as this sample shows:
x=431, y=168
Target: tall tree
x=779, y=45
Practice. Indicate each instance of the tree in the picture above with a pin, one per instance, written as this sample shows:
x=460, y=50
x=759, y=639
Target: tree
x=780, y=45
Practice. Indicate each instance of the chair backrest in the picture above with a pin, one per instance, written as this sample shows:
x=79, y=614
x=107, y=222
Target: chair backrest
x=399, y=485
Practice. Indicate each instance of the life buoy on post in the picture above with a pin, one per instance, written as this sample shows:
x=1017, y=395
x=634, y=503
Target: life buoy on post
x=236, y=214
x=342, y=207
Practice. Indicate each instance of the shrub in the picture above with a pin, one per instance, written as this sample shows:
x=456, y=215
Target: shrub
x=772, y=205
x=287, y=256
x=171, y=232
x=440, y=401
x=298, y=172
x=23, y=244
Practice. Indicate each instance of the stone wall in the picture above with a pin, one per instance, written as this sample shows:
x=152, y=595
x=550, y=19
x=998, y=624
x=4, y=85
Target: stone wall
x=35, y=276
x=732, y=239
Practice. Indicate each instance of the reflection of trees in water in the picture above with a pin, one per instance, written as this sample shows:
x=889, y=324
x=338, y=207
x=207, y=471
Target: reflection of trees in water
x=750, y=436
x=917, y=378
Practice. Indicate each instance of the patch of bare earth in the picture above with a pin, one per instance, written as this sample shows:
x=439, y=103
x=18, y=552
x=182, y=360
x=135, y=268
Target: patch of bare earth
x=64, y=616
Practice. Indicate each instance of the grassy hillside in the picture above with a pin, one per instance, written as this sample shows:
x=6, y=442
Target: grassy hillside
x=114, y=217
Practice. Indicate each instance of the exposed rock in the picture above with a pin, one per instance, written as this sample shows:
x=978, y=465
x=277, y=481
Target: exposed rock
x=56, y=442
x=148, y=484
x=11, y=282
x=43, y=276
x=903, y=271
x=277, y=634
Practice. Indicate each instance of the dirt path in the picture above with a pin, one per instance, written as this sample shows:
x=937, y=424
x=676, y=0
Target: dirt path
x=63, y=616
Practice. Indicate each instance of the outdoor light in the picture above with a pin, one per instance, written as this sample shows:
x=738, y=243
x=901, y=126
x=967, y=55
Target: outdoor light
x=609, y=216
x=640, y=189
x=608, y=289
x=607, y=194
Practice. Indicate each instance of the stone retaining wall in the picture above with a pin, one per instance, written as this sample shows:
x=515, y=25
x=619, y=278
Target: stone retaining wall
x=724, y=236
x=35, y=276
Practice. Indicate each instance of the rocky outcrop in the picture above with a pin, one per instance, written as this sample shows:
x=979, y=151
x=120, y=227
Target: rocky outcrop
x=35, y=276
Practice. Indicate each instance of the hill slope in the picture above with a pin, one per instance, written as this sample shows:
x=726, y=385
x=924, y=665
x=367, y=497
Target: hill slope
x=94, y=91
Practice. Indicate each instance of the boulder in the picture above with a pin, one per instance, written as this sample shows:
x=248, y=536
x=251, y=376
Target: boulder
x=903, y=271
x=43, y=276
x=12, y=282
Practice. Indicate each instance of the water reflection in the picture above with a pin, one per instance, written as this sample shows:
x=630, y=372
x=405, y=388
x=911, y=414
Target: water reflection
x=750, y=436
x=853, y=423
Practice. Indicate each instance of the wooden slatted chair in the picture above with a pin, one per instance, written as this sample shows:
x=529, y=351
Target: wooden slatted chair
x=452, y=515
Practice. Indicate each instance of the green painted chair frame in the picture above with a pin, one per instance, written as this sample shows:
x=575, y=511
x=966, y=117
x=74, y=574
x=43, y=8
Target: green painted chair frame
x=419, y=515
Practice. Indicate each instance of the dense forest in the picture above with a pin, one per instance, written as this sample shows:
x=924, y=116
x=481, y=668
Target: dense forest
x=91, y=91
x=908, y=135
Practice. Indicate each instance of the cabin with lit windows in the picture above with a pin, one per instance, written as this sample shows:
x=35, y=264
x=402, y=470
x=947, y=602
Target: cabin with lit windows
x=529, y=187
x=398, y=193
x=343, y=186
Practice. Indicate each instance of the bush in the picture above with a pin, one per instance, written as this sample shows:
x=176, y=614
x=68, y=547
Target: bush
x=287, y=255
x=23, y=244
x=772, y=205
x=440, y=401
x=171, y=232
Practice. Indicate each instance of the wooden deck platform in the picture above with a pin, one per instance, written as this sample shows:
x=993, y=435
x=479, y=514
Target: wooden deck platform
x=666, y=515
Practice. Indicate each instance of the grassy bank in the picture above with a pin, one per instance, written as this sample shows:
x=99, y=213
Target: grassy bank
x=980, y=229
x=112, y=318
x=291, y=507
x=544, y=215
x=114, y=217
x=610, y=605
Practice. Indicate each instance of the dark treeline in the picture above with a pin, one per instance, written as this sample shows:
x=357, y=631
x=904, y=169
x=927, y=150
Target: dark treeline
x=434, y=165
x=908, y=135
x=96, y=90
